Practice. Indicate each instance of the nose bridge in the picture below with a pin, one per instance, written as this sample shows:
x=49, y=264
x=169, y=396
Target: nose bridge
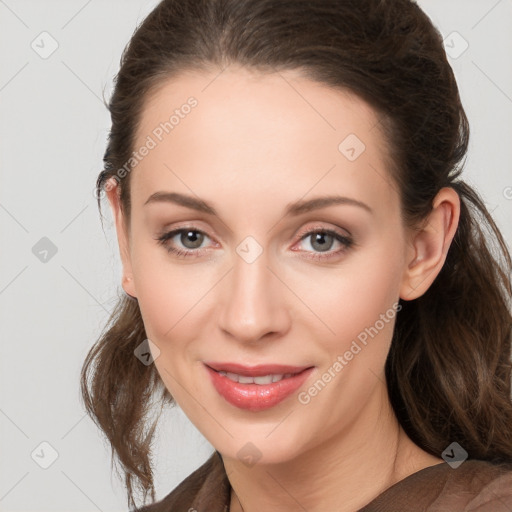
x=253, y=304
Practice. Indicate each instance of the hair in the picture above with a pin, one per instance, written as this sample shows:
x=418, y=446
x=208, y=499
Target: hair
x=448, y=371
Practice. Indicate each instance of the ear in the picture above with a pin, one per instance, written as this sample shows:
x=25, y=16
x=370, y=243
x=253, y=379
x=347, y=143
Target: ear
x=113, y=192
x=429, y=245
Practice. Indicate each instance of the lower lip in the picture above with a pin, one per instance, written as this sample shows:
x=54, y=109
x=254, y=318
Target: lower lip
x=256, y=397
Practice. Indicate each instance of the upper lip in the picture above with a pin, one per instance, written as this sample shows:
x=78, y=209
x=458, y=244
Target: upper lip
x=257, y=370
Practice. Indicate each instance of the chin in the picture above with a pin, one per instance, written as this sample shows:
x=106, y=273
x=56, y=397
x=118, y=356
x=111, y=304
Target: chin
x=254, y=446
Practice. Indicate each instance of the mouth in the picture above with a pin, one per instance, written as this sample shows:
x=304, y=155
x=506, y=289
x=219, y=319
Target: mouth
x=258, y=387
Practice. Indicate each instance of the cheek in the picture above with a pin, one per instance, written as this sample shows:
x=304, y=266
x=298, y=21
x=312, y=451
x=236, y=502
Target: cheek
x=171, y=299
x=170, y=294
x=348, y=299
x=360, y=305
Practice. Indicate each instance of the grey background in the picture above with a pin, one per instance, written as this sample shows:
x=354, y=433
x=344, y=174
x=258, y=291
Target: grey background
x=53, y=128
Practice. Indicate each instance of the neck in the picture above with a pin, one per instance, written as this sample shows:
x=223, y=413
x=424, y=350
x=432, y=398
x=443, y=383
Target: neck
x=368, y=456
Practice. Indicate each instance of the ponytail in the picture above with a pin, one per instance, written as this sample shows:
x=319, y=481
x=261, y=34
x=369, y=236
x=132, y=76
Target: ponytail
x=449, y=367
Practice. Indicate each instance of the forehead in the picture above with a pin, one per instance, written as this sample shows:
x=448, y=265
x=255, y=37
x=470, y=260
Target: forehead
x=239, y=126
x=257, y=103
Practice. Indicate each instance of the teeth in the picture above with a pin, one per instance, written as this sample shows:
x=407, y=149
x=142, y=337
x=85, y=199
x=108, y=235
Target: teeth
x=265, y=379
x=261, y=380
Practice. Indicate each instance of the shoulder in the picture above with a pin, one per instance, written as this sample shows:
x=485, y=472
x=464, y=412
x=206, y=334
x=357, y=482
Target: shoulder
x=207, y=488
x=476, y=486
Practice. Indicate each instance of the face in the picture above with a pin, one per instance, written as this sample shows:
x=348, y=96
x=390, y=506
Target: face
x=238, y=267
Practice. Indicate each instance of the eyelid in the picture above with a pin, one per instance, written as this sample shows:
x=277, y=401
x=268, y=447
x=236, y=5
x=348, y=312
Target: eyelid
x=169, y=233
x=322, y=227
x=300, y=234
x=190, y=226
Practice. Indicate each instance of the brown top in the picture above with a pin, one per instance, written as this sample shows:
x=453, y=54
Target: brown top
x=475, y=486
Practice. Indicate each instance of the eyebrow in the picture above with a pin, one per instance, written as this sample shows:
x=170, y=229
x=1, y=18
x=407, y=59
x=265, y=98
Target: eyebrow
x=296, y=208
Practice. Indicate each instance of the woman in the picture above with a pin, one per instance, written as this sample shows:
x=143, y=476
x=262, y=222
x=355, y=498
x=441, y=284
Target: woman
x=306, y=274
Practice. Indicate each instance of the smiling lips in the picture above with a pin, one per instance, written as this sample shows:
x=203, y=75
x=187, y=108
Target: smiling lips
x=256, y=388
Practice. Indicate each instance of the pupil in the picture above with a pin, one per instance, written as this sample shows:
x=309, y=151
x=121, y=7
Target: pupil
x=320, y=237
x=191, y=239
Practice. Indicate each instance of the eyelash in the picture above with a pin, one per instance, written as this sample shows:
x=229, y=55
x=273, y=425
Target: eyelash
x=345, y=241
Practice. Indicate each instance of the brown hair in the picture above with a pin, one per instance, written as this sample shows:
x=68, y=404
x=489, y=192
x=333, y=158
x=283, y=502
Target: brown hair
x=449, y=368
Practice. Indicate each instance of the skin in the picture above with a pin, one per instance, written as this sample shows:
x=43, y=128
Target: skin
x=253, y=144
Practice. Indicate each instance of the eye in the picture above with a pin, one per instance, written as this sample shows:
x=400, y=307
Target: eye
x=187, y=242
x=321, y=241
x=190, y=239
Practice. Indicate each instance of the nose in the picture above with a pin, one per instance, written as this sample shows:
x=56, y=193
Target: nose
x=253, y=305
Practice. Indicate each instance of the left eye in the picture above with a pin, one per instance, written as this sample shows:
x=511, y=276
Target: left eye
x=321, y=241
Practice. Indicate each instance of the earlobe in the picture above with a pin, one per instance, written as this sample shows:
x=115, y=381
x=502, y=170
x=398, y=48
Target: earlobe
x=113, y=191
x=430, y=243
x=128, y=286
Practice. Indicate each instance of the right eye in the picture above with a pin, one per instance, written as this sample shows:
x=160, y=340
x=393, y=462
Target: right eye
x=190, y=239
